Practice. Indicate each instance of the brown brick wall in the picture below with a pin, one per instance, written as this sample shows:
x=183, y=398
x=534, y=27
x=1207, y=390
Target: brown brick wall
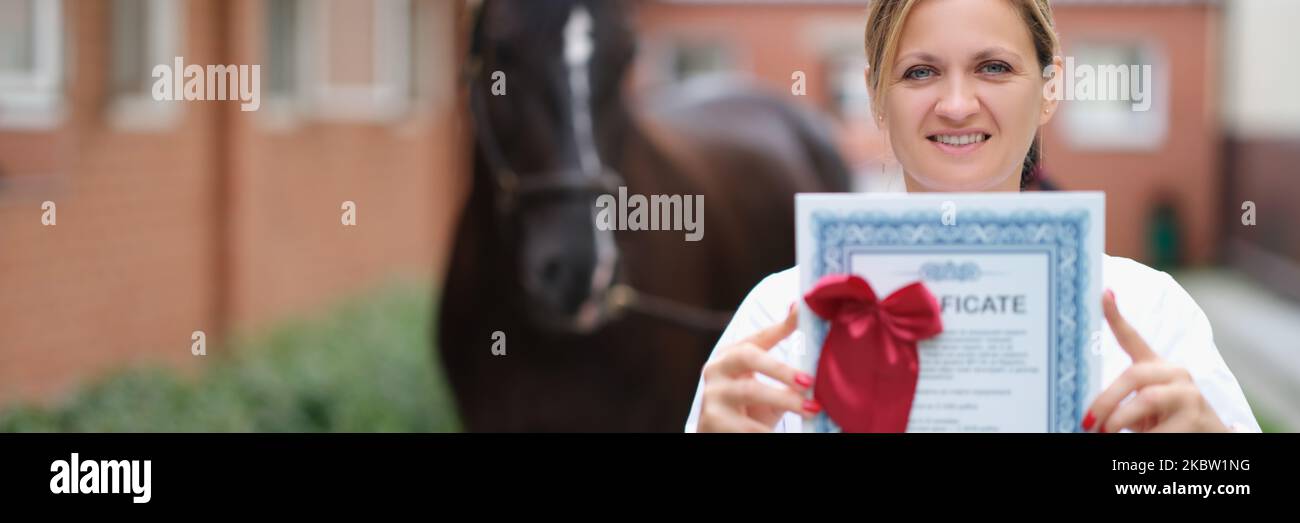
x=217, y=222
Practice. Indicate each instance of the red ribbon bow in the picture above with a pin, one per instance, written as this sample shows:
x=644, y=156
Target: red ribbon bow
x=867, y=371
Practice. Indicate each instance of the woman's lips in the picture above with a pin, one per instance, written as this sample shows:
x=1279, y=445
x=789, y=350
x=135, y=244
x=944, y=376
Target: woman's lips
x=959, y=150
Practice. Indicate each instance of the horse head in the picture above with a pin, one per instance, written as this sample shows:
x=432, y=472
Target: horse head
x=543, y=77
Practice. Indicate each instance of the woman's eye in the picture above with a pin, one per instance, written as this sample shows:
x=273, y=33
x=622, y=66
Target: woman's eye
x=918, y=73
x=995, y=68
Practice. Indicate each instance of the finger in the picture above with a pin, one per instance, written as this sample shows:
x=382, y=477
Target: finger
x=747, y=358
x=742, y=394
x=1184, y=417
x=727, y=420
x=766, y=415
x=767, y=338
x=1137, y=376
x=717, y=415
x=751, y=425
x=1147, y=409
x=1125, y=334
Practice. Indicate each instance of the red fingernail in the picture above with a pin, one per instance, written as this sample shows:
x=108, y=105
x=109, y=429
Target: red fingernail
x=1101, y=430
x=1088, y=420
x=803, y=379
x=811, y=406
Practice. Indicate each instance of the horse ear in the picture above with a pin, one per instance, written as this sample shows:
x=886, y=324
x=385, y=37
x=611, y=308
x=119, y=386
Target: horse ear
x=474, y=58
x=476, y=28
x=617, y=21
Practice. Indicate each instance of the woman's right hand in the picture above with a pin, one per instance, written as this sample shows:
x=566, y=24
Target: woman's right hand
x=734, y=400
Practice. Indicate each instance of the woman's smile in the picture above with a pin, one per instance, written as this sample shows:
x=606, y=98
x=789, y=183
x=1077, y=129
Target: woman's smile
x=959, y=142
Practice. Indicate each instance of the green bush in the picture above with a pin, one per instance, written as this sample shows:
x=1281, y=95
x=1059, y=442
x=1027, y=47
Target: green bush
x=366, y=366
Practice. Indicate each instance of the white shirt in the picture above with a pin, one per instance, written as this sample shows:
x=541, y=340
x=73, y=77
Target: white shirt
x=1161, y=311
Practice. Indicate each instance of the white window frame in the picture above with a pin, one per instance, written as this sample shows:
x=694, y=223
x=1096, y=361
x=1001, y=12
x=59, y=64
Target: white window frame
x=387, y=98
x=1131, y=131
x=34, y=100
x=139, y=112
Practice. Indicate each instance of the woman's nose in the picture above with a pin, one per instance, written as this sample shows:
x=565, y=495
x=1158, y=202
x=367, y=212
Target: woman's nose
x=958, y=101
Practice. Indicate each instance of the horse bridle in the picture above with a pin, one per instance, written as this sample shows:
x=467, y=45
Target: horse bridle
x=511, y=189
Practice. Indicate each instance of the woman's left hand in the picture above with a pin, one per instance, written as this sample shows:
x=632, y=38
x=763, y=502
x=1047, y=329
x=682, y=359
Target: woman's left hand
x=1166, y=398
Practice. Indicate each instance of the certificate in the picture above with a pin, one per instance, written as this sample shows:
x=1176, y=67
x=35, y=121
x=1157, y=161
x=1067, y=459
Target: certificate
x=1018, y=280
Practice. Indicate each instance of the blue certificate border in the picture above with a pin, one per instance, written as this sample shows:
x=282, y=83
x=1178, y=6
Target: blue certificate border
x=837, y=235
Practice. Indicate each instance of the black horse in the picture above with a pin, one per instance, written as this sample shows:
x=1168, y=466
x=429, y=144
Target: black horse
x=606, y=330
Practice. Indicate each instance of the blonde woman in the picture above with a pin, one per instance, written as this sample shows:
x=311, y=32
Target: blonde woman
x=958, y=87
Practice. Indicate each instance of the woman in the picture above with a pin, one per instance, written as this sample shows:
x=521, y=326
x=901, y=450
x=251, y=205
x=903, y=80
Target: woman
x=957, y=86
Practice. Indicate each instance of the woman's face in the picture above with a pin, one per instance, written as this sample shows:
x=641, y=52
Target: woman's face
x=965, y=96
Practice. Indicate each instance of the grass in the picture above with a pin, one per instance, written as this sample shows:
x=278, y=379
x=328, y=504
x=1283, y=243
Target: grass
x=365, y=366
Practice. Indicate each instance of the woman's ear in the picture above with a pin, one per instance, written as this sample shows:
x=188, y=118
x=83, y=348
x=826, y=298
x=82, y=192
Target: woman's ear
x=879, y=119
x=1052, y=89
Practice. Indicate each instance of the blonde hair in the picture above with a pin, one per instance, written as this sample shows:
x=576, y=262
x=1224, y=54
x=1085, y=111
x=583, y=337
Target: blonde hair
x=885, y=27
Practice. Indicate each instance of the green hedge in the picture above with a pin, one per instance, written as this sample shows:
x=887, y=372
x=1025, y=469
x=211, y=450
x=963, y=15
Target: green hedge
x=365, y=366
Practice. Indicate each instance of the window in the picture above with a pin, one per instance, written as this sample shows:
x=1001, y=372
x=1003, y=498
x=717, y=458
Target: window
x=692, y=59
x=1116, y=122
x=284, y=63
x=363, y=72
x=18, y=21
x=679, y=55
x=143, y=34
x=847, y=89
x=282, y=34
x=30, y=64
